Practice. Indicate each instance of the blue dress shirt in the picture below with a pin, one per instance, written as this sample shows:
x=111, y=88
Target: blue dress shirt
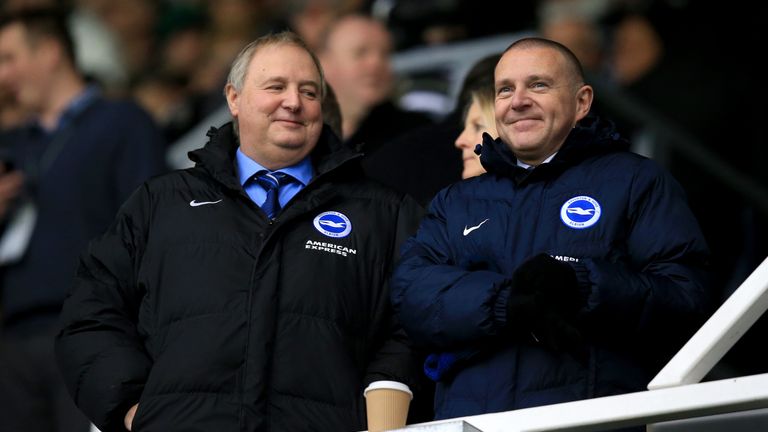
x=302, y=173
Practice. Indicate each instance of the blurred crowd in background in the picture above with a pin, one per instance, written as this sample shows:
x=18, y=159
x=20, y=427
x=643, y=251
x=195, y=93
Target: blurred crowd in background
x=679, y=66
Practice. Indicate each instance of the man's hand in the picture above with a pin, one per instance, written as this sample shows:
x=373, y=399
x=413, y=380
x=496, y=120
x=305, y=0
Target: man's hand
x=10, y=186
x=553, y=284
x=544, y=301
x=129, y=417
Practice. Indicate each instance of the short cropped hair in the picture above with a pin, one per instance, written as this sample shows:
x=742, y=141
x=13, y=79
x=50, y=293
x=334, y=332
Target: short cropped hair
x=572, y=62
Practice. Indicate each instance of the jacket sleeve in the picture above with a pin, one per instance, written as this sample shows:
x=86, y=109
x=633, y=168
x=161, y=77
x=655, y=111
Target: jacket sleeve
x=658, y=293
x=441, y=305
x=98, y=349
x=393, y=358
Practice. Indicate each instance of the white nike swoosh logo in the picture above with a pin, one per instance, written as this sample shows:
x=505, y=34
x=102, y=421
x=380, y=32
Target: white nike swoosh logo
x=470, y=229
x=194, y=203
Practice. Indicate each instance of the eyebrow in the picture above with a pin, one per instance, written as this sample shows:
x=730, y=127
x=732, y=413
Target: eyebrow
x=540, y=78
x=529, y=78
x=310, y=83
x=282, y=79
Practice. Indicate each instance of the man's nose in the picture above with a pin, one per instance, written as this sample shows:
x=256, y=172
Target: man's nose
x=520, y=99
x=292, y=100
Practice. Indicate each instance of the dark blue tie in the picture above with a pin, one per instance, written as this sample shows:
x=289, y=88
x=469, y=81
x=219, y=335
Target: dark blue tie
x=271, y=183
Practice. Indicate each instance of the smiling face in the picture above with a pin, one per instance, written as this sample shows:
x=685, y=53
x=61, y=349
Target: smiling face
x=538, y=101
x=278, y=108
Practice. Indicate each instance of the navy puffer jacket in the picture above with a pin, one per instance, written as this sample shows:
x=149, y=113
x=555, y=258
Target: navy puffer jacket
x=616, y=217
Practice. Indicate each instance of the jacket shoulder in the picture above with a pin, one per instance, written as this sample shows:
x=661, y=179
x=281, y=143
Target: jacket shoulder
x=187, y=177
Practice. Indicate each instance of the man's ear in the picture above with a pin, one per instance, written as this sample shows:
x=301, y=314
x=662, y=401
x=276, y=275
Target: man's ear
x=584, y=96
x=232, y=100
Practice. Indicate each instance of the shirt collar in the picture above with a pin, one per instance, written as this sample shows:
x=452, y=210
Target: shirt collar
x=526, y=166
x=247, y=168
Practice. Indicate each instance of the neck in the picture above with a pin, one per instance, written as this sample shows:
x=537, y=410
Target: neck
x=64, y=89
x=275, y=160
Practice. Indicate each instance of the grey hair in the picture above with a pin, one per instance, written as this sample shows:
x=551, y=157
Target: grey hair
x=239, y=69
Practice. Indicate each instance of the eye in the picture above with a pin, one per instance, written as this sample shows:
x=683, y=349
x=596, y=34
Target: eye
x=310, y=94
x=275, y=87
x=504, y=91
x=539, y=85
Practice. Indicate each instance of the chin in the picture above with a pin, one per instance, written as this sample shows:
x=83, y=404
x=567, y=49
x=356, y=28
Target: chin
x=291, y=144
x=472, y=171
x=525, y=147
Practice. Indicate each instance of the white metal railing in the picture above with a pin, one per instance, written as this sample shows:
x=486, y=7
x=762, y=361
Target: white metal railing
x=723, y=329
x=630, y=409
x=675, y=392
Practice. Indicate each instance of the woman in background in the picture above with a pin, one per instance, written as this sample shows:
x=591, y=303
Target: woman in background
x=479, y=115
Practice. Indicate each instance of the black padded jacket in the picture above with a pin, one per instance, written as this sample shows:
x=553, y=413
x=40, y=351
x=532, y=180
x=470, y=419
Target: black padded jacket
x=215, y=318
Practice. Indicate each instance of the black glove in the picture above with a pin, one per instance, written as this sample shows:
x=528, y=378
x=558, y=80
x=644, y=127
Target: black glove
x=544, y=300
x=553, y=283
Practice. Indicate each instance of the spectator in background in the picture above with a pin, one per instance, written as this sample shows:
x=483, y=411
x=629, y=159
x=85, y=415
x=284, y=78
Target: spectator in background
x=166, y=89
x=580, y=35
x=310, y=19
x=427, y=159
x=64, y=177
x=573, y=269
x=134, y=23
x=433, y=22
x=98, y=51
x=224, y=298
x=165, y=98
x=356, y=56
x=479, y=117
x=232, y=24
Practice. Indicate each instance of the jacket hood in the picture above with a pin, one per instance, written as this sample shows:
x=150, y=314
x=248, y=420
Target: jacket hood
x=592, y=136
x=218, y=155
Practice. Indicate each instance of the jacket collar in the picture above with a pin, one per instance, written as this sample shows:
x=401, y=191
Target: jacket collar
x=217, y=157
x=591, y=137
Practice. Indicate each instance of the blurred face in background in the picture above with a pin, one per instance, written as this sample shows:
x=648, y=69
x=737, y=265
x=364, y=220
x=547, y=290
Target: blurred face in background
x=24, y=69
x=478, y=120
x=356, y=60
x=580, y=36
